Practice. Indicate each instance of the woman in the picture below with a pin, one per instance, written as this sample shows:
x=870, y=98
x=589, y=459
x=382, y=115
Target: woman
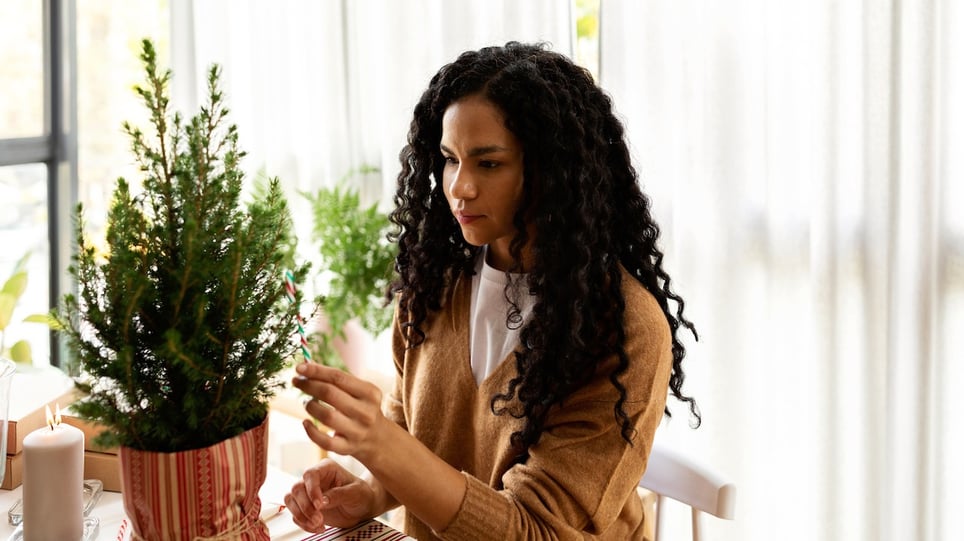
x=534, y=340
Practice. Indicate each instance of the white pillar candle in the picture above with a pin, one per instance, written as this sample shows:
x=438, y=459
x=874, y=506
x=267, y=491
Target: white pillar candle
x=53, y=482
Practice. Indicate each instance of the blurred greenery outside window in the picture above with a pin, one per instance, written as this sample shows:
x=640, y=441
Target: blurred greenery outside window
x=587, y=35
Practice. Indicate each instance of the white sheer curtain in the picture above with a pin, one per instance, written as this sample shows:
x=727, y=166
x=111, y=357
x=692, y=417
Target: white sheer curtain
x=319, y=88
x=806, y=163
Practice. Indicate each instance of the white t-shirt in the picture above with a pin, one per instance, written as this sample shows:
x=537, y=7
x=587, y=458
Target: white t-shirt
x=490, y=337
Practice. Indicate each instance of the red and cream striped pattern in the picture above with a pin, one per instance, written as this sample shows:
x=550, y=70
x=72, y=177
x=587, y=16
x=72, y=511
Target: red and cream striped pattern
x=202, y=494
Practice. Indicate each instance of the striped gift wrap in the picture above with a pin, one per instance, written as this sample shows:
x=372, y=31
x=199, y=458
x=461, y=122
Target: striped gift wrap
x=203, y=494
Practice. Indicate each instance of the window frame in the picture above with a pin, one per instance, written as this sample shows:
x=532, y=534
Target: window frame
x=56, y=148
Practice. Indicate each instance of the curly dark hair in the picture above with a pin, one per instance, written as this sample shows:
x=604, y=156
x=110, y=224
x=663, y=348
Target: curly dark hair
x=590, y=216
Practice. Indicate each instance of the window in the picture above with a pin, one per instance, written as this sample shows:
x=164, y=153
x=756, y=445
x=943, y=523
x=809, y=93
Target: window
x=587, y=35
x=66, y=73
x=30, y=66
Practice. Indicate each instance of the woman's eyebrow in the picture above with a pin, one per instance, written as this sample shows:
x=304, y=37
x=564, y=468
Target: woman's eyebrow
x=478, y=151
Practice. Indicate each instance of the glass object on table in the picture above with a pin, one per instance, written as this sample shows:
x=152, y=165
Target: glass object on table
x=93, y=489
x=91, y=529
x=7, y=369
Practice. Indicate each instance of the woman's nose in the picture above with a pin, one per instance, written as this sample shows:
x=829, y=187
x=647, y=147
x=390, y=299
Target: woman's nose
x=463, y=185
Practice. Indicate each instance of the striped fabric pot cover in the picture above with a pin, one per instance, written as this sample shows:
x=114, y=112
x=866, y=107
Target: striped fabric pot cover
x=202, y=494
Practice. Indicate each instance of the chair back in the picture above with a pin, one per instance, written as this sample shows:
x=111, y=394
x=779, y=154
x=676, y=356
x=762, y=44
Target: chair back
x=670, y=474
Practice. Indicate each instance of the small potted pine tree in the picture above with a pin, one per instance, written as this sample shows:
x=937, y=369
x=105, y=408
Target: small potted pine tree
x=181, y=328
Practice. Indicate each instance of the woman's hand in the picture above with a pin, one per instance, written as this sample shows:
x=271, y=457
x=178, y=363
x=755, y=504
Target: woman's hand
x=404, y=470
x=329, y=495
x=349, y=406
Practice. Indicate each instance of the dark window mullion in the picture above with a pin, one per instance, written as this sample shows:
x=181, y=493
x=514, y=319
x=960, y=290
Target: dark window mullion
x=25, y=150
x=61, y=160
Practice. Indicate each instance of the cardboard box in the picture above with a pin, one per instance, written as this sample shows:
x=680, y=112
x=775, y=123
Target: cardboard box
x=90, y=429
x=31, y=392
x=104, y=467
x=13, y=475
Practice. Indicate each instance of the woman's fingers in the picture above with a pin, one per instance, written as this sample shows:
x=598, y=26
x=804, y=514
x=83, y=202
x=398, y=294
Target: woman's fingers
x=329, y=495
x=322, y=439
x=327, y=393
x=310, y=499
x=305, y=514
x=349, y=406
x=355, y=387
x=319, y=480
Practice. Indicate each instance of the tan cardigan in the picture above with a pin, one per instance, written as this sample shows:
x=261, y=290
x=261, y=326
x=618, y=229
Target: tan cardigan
x=580, y=479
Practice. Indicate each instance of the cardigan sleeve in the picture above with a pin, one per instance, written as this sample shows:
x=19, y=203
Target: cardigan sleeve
x=392, y=404
x=579, y=478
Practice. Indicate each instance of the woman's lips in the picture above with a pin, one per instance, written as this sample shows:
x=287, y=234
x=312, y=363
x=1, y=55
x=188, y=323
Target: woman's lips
x=465, y=219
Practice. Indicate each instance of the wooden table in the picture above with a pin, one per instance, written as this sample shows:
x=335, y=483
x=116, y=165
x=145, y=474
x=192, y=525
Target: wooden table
x=113, y=522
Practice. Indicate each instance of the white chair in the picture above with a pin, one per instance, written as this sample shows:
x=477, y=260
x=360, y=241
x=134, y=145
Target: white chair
x=670, y=474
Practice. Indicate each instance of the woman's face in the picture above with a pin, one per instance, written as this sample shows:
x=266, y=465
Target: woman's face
x=482, y=177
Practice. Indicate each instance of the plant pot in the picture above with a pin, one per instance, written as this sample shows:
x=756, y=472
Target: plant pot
x=351, y=344
x=201, y=494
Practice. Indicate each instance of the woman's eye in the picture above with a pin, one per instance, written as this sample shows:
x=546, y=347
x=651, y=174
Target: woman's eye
x=449, y=160
x=485, y=164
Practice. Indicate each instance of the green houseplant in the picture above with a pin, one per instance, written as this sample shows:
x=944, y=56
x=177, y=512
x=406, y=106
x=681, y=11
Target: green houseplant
x=10, y=295
x=357, y=262
x=181, y=328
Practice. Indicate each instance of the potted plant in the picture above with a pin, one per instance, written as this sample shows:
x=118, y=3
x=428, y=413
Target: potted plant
x=357, y=262
x=180, y=329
